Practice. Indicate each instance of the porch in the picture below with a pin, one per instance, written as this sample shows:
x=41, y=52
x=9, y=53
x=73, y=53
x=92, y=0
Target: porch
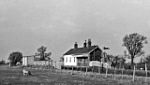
x=82, y=61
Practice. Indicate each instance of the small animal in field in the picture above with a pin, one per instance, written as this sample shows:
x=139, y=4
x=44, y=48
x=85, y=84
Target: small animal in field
x=141, y=68
x=26, y=73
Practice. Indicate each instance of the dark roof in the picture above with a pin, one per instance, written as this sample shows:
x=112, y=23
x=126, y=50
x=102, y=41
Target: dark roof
x=80, y=50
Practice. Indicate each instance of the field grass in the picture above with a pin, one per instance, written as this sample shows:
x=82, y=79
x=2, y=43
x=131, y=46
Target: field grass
x=13, y=76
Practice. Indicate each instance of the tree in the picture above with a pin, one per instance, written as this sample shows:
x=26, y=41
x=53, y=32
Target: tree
x=42, y=53
x=117, y=61
x=121, y=62
x=134, y=43
x=147, y=59
x=2, y=62
x=61, y=59
x=15, y=57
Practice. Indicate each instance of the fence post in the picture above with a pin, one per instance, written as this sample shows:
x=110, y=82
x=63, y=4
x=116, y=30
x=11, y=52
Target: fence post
x=60, y=68
x=114, y=72
x=122, y=71
x=99, y=69
x=146, y=72
x=92, y=69
x=106, y=70
x=72, y=71
x=133, y=74
x=55, y=64
x=86, y=70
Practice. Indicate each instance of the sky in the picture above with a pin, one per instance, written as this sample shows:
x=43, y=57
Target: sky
x=25, y=25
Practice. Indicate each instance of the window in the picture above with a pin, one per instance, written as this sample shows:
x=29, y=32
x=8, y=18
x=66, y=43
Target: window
x=66, y=59
x=70, y=59
x=74, y=59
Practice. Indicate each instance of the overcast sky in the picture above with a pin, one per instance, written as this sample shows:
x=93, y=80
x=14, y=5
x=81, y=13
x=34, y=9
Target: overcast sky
x=25, y=25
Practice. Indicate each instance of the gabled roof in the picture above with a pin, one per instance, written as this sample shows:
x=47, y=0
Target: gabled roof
x=80, y=50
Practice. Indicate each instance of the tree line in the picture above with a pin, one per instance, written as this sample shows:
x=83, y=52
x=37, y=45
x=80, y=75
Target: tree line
x=134, y=44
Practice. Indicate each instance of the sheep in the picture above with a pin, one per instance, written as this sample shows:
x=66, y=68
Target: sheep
x=25, y=72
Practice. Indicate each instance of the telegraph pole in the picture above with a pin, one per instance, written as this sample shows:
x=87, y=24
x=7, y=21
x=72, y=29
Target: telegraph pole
x=104, y=55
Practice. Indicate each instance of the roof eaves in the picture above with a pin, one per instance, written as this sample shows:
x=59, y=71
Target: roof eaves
x=93, y=49
x=80, y=53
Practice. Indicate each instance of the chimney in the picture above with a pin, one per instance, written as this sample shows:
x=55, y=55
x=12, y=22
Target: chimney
x=84, y=44
x=89, y=43
x=75, y=45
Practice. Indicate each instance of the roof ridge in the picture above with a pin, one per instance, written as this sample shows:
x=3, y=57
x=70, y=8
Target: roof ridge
x=80, y=50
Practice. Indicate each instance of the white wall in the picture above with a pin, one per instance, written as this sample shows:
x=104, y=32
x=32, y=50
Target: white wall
x=44, y=63
x=30, y=61
x=70, y=60
x=24, y=61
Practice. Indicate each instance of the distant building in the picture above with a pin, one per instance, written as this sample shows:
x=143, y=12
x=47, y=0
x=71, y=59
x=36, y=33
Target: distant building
x=27, y=60
x=82, y=56
x=32, y=60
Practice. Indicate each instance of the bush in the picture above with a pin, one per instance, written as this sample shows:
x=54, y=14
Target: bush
x=2, y=62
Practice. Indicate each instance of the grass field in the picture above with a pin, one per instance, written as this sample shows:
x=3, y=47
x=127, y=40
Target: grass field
x=13, y=76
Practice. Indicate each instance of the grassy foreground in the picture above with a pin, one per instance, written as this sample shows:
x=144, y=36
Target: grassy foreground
x=13, y=76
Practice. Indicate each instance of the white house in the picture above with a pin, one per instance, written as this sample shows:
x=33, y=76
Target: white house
x=82, y=56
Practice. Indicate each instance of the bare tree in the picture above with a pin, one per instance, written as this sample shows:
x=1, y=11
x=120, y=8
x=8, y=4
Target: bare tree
x=134, y=44
x=42, y=53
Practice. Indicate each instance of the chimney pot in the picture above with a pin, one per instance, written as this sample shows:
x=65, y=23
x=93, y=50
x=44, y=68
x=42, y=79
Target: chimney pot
x=85, y=44
x=76, y=45
x=89, y=43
